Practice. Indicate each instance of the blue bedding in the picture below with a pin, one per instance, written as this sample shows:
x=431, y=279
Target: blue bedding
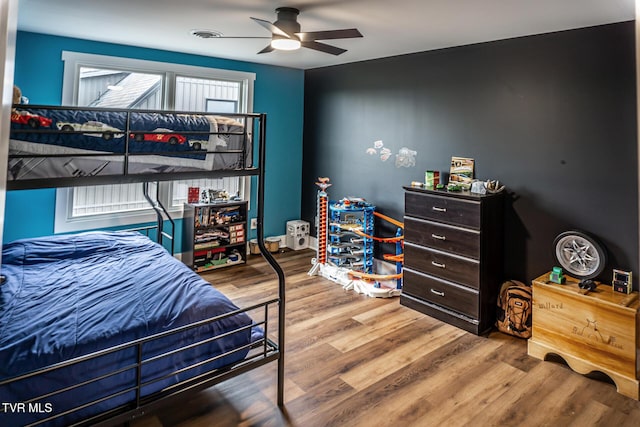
x=154, y=142
x=70, y=295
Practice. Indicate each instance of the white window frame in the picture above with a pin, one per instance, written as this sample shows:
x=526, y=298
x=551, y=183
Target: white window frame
x=73, y=62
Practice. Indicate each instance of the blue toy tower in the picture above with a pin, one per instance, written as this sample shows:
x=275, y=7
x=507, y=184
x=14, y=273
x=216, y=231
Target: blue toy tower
x=350, y=229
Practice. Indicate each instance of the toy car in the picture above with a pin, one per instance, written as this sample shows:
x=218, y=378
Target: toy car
x=198, y=144
x=33, y=120
x=165, y=135
x=92, y=128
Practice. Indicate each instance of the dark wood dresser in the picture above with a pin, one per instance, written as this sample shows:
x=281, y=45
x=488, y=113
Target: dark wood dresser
x=453, y=257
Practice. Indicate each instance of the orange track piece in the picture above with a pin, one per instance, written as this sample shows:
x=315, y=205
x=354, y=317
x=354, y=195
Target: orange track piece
x=389, y=219
x=374, y=276
x=394, y=257
x=379, y=239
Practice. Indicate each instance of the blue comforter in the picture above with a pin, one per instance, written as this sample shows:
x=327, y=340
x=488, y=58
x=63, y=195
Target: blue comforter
x=67, y=296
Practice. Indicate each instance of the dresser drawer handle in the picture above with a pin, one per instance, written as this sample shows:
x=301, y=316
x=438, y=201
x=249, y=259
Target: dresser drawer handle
x=439, y=237
x=437, y=264
x=440, y=294
x=437, y=209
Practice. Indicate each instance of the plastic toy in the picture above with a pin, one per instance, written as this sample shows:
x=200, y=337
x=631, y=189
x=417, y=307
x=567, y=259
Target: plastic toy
x=321, y=254
x=160, y=135
x=345, y=245
x=556, y=275
x=92, y=128
x=33, y=120
x=350, y=226
x=197, y=144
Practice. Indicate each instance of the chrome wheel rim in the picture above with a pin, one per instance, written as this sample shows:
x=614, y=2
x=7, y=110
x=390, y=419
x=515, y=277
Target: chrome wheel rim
x=578, y=255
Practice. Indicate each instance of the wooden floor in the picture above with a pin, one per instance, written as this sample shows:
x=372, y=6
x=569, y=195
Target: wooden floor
x=360, y=361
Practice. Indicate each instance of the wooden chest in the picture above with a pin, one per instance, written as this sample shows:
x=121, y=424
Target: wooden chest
x=596, y=331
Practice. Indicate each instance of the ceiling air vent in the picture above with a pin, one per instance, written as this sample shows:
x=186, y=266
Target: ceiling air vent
x=206, y=34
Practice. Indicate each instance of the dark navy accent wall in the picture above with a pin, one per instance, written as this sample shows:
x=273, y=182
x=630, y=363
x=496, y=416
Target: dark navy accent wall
x=278, y=92
x=551, y=116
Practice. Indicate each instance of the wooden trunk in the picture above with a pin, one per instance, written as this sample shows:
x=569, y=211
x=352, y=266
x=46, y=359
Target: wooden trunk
x=596, y=331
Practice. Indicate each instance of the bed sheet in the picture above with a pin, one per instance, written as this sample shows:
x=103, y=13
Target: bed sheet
x=70, y=295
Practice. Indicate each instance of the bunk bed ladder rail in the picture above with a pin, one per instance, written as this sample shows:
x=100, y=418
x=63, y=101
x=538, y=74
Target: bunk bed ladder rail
x=161, y=214
x=270, y=259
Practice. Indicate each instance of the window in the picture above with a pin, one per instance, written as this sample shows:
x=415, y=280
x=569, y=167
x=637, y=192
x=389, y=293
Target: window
x=109, y=82
x=222, y=105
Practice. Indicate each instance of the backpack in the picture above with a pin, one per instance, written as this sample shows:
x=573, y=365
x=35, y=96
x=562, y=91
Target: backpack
x=514, y=309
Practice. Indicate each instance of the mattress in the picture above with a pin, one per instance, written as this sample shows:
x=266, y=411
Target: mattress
x=98, y=142
x=71, y=295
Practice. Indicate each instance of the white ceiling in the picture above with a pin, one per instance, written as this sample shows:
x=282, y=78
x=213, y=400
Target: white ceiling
x=389, y=27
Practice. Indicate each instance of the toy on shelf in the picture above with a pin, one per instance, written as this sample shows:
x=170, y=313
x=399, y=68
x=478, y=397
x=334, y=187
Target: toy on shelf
x=346, y=242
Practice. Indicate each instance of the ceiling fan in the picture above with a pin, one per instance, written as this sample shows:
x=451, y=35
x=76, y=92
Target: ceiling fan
x=286, y=34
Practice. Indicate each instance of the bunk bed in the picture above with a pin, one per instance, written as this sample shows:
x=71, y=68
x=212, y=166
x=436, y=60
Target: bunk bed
x=123, y=360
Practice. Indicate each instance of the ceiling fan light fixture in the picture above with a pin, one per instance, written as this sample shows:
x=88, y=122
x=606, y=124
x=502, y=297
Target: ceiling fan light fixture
x=283, y=43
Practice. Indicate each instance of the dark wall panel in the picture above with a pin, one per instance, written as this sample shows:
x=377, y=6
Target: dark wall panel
x=551, y=116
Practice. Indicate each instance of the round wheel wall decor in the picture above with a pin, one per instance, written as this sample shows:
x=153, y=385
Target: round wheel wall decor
x=579, y=254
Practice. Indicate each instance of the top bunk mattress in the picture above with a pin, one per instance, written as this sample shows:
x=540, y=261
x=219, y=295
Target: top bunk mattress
x=61, y=142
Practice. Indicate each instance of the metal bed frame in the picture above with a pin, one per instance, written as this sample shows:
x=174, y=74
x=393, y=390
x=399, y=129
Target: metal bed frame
x=262, y=352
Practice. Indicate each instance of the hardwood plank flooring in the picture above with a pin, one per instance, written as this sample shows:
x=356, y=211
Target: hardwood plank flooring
x=360, y=361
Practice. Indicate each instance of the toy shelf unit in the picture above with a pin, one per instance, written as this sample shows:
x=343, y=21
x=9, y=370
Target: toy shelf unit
x=214, y=235
x=349, y=243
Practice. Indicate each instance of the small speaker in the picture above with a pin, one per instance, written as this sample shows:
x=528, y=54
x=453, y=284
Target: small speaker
x=297, y=235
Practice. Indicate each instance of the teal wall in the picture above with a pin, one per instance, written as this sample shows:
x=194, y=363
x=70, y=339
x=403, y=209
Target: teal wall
x=278, y=92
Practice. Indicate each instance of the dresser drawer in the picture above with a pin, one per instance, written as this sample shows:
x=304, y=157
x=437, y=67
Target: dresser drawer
x=443, y=265
x=445, y=209
x=440, y=292
x=443, y=237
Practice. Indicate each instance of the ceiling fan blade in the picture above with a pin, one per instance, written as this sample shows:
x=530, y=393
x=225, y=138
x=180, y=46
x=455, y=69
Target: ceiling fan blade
x=329, y=35
x=267, y=49
x=272, y=28
x=333, y=50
